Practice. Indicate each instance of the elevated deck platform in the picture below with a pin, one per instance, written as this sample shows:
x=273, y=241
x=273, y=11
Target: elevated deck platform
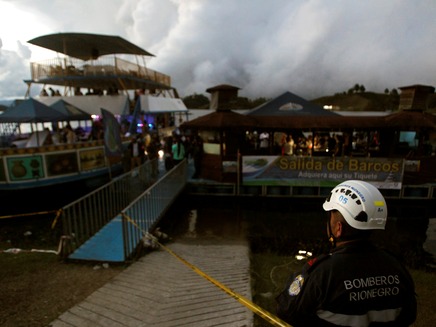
x=159, y=290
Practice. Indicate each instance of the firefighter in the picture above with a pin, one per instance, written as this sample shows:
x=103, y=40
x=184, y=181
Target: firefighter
x=356, y=284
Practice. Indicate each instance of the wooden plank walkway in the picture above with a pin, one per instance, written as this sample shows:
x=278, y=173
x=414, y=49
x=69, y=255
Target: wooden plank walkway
x=159, y=290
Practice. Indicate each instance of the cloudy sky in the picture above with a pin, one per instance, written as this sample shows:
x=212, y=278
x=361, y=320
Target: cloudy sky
x=309, y=47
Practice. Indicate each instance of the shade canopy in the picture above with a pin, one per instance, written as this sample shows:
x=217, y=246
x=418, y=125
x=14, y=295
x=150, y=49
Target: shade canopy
x=70, y=111
x=31, y=111
x=154, y=105
x=289, y=105
x=91, y=104
x=87, y=46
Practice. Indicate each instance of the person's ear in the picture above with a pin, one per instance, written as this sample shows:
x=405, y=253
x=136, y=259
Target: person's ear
x=338, y=231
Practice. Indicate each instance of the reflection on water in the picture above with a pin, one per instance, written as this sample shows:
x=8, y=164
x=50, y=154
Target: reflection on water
x=285, y=226
x=277, y=229
x=281, y=226
x=430, y=242
x=192, y=223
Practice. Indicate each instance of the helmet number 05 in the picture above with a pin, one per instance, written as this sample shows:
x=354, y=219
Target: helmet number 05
x=343, y=199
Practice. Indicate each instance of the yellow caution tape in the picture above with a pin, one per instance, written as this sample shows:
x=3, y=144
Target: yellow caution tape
x=27, y=214
x=275, y=321
x=58, y=214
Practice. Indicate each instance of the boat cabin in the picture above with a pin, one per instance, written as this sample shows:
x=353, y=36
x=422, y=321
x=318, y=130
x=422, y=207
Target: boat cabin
x=289, y=131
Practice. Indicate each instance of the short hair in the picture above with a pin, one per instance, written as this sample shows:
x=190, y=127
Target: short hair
x=348, y=232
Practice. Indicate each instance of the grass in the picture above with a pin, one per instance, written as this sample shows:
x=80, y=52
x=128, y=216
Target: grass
x=39, y=287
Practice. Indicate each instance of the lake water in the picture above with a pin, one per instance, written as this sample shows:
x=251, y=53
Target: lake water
x=288, y=225
x=281, y=226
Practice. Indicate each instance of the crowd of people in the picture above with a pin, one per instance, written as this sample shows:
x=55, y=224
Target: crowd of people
x=178, y=147
x=69, y=135
x=308, y=144
x=288, y=144
x=146, y=146
x=78, y=91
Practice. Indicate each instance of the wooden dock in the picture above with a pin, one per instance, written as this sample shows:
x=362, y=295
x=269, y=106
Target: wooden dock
x=160, y=290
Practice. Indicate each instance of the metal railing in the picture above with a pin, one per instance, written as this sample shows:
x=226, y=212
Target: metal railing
x=67, y=67
x=83, y=218
x=147, y=209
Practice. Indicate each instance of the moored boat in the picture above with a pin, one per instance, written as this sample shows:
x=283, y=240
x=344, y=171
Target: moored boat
x=291, y=147
x=93, y=74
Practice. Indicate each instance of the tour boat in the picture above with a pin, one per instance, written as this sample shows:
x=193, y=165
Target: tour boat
x=91, y=75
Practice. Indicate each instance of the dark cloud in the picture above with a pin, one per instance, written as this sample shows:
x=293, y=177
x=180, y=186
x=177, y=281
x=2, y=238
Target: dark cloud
x=312, y=48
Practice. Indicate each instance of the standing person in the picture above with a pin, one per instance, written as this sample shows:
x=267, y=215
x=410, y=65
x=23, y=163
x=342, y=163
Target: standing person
x=197, y=155
x=356, y=284
x=168, y=156
x=309, y=145
x=264, y=143
x=153, y=154
x=97, y=131
x=178, y=150
x=289, y=146
x=137, y=154
x=70, y=136
x=283, y=143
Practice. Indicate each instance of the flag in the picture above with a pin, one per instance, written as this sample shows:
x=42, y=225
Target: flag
x=112, y=135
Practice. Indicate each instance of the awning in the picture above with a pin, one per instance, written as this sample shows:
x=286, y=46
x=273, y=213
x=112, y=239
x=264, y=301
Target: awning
x=70, y=111
x=289, y=105
x=31, y=111
x=87, y=46
x=92, y=104
x=151, y=104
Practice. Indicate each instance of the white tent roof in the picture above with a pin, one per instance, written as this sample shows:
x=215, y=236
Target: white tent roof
x=92, y=104
x=151, y=104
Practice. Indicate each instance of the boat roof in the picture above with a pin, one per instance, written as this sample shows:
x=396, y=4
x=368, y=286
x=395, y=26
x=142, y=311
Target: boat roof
x=154, y=104
x=86, y=65
x=92, y=104
x=289, y=105
x=31, y=111
x=87, y=46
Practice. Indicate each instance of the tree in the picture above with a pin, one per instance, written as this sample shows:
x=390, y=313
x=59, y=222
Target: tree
x=196, y=101
x=394, y=99
x=258, y=101
x=356, y=88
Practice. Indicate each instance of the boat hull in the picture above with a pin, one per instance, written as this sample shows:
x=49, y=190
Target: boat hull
x=55, y=171
x=46, y=199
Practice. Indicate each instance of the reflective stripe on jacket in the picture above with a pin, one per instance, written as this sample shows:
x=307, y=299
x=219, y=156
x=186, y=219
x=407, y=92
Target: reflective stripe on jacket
x=355, y=285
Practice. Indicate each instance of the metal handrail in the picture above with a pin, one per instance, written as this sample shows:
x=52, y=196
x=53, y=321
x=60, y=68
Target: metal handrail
x=84, y=217
x=68, y=67
x=147, y=209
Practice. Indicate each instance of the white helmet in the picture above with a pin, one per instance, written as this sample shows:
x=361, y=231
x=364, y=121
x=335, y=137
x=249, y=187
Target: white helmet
x=360, y=203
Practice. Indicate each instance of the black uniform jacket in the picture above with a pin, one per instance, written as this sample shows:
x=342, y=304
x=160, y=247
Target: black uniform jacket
x=355, y=285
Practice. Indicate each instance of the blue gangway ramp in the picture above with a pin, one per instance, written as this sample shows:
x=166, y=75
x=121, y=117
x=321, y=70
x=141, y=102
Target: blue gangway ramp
x=118, y=239
x=106, y=245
